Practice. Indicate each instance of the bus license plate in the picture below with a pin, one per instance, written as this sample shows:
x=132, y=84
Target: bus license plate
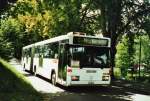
x=90, y=71
x=90, y=82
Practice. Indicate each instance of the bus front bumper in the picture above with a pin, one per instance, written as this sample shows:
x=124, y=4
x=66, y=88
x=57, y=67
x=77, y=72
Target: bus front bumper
x=88, y=83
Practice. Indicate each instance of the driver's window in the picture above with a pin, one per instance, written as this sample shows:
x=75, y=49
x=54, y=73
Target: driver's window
x=104, y=58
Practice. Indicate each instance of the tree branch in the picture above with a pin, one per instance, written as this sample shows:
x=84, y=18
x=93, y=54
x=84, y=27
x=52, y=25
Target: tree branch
x=135, y=16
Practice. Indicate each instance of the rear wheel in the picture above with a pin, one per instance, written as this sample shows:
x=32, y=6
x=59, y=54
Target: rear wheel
x=24, y=67
x=53, y=79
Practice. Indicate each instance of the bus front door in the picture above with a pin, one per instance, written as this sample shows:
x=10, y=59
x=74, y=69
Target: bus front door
x=62, y=63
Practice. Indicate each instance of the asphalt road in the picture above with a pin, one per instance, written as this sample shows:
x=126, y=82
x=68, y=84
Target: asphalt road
x=60, y=93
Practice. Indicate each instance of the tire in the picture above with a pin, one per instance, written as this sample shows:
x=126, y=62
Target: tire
x=35, y=70
x=53, y=79
x=24, y=67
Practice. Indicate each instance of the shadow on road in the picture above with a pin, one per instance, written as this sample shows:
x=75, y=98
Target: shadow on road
x=89, y=93
x=99, y=93
x=41, y=77
x=96, y=89
x=27, y=75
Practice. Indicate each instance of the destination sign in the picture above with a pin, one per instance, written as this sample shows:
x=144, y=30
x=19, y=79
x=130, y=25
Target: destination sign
x=90, y=41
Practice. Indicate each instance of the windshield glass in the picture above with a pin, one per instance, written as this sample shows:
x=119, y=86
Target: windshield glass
x=89, y=56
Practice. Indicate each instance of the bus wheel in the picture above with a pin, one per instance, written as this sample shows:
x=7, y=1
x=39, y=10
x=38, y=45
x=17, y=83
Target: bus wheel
x=35, y=70
x=53, y=79
x=24, y=67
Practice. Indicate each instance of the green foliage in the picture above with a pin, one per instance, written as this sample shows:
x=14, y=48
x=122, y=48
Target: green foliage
x=122, y=56
x=127, y=57
x=5, y=49
x=36, y=20
x=117, y=72
x=30, y=21
x=11, y=35
x=145, y=47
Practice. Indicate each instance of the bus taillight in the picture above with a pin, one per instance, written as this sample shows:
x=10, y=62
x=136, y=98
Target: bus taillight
x=75, y=78
x=69, y=70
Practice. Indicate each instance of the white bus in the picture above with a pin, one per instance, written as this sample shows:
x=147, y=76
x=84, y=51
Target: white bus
x=70, y=60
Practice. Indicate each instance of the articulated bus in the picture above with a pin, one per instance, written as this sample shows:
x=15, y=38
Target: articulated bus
x=71, y=60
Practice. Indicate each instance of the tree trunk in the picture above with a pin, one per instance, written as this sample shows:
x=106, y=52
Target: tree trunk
x=113, y=53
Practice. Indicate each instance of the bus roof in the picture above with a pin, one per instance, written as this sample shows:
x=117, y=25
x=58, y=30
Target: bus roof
x=63, y=37
x=55, y=39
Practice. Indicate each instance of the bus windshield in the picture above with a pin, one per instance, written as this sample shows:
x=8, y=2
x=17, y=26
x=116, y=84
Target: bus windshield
x=89, y=56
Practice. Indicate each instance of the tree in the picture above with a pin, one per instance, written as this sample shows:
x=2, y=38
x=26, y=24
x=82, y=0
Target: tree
x=144, y=49
x=9, y=33
x=4, y=4
x=119, y=17
x=43, y=19
x=123, y=58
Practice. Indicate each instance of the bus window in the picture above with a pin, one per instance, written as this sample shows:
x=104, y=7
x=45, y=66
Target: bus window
x=41, y=49
x=54, y=50
x=47, y=51
x=66, y=41
x=89, y=57
x=36, y=52
x=29, y=52
x=76, y=52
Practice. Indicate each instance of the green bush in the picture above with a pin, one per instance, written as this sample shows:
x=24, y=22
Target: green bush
x=122, y=56
x=117, y=72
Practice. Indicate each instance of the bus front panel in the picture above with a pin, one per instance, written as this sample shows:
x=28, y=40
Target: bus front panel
x=88, y=65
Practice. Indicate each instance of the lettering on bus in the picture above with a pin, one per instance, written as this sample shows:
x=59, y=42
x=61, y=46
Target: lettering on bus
x=90, y=41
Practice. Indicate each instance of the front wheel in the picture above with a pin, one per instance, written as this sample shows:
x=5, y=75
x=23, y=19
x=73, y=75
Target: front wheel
x=53, y=79
x=35, y=70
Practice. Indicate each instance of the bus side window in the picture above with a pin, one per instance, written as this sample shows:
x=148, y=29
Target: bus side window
x=36, y=52
x=47, y=51
x=24, y=53
x=29, y=52
x=51, y=53
x=66, y=41
x=54, y=50
x=56, y=56
x=41, y=50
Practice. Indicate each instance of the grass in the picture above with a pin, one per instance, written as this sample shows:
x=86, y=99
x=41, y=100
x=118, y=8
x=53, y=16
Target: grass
x=14, y=86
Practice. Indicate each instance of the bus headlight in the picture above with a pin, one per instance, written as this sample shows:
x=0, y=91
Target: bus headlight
x=105, y=78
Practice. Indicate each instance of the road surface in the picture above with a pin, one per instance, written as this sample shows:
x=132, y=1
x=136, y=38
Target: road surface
x=38, y=83
x=59, y=93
